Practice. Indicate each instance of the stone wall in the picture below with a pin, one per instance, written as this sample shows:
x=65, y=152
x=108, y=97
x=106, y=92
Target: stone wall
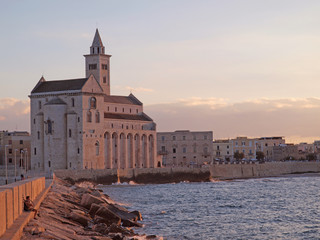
x=11, y=199
x=163, y=175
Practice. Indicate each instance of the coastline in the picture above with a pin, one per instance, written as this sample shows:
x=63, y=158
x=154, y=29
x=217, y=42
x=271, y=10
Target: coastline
x=82, y=212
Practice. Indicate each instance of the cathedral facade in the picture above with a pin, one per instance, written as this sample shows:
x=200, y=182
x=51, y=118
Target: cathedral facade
x=77, y=124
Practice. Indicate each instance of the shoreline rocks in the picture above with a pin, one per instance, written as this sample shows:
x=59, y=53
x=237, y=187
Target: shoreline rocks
x=73, y=212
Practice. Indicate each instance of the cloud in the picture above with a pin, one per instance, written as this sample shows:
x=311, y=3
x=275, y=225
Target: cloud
x=296, y=119
x=14, y=114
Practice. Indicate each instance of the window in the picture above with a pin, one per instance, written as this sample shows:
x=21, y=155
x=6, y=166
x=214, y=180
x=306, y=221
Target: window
x=89, y=116
x=70, y=133
x=10, y=150
x=163, y=148
x=72, y=102
x=137, y=110
x=21, y=141
x=184, y=150
x=162, y=138
x=122, y=109
x=174, y=150
x=227, y=146
x=78, y=150
x=205, y=137
x=183, y=137
x=218, y=147
x=34, y=121
x=93, y=103
x=250, y=144
x=130, y=110
x=78, y=119
x=104, y=66
x=194, y=148
x=205, y=150
x=194, y=137
x=104, y=79
x=49, y=163
x=35, y=151
x=92, y=66
x=49, y=126
x=97, y=117
x=10, y=142
x=236, y=143
x=38, y=133
x=70, y=165
x=97, y=148
x=10, y=160
x=243, y=143
x=227, y=152
x=244, y=151
x=39, y=105
x=173, y=138
x=115, y=109
x=111, y=125
x=266, y=144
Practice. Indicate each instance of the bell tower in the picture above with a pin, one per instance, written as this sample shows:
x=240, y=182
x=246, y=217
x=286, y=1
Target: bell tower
x=98, y=63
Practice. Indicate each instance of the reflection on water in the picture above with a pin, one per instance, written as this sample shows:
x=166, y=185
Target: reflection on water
x=269, y=208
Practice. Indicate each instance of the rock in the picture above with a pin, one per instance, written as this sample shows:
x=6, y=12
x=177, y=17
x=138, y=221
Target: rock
x=96, y=193
x=79, y=218
x=138, y=214
x=100, y=238
x=108, y=215
x=129, y=223
x=121, y=212
x=88, y=199
x=116, y=236
x=101, y=228
x=114, y=228
x=93, y=209
x=151, y=237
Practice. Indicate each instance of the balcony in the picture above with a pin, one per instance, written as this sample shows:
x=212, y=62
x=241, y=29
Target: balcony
x=163, y=152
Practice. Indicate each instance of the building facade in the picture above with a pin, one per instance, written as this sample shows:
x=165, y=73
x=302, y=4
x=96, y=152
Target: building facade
x=15, y=148
x=222, y=150
x=78, y=124
x=185, y=148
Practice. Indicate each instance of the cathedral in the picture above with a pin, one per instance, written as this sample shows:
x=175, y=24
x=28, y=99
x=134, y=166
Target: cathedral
x=78, y=124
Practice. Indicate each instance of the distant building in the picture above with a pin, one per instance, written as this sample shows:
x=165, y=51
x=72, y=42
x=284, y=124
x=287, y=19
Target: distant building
x=285, y=152
x=78, y=124
x=222, y=149
x=17, y=147
x=225, y=149
x=185, y=148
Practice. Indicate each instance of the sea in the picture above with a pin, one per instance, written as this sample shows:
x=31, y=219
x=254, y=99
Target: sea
x=263, y=208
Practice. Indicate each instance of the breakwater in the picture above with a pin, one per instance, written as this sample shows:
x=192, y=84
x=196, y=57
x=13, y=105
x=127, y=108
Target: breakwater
x=178, y=174
x=11, y=200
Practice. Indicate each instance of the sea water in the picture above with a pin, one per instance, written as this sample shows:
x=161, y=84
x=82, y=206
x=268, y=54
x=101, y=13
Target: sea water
x=265, y=208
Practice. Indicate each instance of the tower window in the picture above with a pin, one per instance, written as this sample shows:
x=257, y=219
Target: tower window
x=92, y=66
x=97, y=117
x=89, y=116
x=104, y=66
x=72, y=102
x=70, y=133
x=35, y=151
x=49, y=126
x=49, y=163
x=93, y=102
x=97, y=148
x=39, y=105
x=115, y=109
x=104, y=79
x=38, y=134
x=122, y=109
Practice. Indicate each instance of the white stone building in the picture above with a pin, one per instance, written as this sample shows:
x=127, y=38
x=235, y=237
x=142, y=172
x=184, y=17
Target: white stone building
x=77, y=124
x=185, y=148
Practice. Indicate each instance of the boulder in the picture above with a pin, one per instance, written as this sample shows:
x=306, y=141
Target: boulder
x=101, y=228
x=129, y=223
x=88, y=199
x=121, y=212
x=116, y=229
x=79, y=218
x=96, y=193
x=109, y=216
x=93, y=209
x=138, y=214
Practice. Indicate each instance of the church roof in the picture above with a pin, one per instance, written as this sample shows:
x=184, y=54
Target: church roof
x=131, y=99
x=56, y=101
x=97, y=40
x=141, y=117
x=60, y=85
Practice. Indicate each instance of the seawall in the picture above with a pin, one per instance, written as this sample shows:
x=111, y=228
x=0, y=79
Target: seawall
x=177, y=174
x=11, y=199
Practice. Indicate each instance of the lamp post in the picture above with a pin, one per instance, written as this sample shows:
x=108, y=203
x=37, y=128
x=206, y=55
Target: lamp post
x=15, y=165
x=26, y=158
x=6, y=159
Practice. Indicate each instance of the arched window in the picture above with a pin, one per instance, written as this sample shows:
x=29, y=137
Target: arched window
x=97, y=117
x=49, y=126
x=93, y=103
x=89, y=116
x=97, y=148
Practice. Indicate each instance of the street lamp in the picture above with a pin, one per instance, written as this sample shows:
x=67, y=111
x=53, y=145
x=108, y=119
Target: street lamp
x=15, y=165
x=6, y=159
x=26, y=157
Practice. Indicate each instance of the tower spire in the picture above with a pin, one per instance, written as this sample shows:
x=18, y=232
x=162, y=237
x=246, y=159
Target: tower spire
x=97, y=45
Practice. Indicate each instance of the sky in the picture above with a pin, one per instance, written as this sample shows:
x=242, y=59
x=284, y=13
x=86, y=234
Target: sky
x=236, y=67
